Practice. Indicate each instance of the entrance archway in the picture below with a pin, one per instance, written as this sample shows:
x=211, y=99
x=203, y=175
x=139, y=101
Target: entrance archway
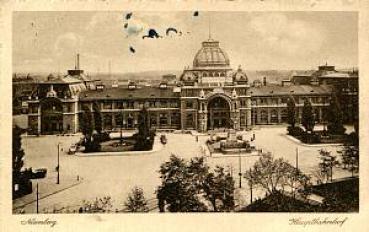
x=219, y=113
x=51, y=116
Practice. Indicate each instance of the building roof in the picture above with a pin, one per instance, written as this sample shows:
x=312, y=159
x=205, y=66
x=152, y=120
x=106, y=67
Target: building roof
x=140, y=92
x=210, y=55
x=272, y=90
x=63, y=80
x=338, y=75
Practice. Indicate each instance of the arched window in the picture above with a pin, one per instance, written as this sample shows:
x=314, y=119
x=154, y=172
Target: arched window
x=263, y=117
x=274, y=116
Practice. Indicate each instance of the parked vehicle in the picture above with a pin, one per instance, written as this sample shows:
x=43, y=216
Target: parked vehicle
x=39, y=173
x=72, y=149
x=163, y=139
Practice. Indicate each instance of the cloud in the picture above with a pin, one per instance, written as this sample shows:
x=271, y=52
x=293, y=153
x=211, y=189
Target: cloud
x=285, y=36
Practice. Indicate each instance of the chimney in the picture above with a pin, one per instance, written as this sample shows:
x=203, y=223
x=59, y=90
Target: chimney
x=264, y=81
x=77, y=62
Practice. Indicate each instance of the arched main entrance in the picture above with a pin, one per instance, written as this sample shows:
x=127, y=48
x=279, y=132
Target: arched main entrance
x=218, y=113
x=51, y=116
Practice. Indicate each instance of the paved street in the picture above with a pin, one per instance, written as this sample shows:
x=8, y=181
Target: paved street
x=115, y=176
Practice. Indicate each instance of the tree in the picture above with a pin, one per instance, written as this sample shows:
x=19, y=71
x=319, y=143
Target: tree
x=178, y=191
x=87, y=130
x=18, y=153
x=97, y=118
x=99, y=205
x=350, y=158
x=198, y=172
x=327, y=163
x=136, y=201
x=144, y=137
x=190, y=187
x=291, y=112
x=23, y=182
x=334, y=117
x=275, y=174
x=307, y=117
x=86, y=122
x=219, y=188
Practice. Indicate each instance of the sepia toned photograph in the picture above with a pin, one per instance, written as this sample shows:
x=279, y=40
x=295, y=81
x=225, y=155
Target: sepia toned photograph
x=185, y=111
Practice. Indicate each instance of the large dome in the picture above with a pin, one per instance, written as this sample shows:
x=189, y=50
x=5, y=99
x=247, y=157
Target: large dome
x=211, y=55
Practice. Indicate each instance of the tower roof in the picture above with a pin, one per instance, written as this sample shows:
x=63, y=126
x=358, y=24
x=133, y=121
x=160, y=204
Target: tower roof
x=211, y=55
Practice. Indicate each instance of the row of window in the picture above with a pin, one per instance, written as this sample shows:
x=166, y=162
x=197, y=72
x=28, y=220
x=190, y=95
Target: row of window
x=263, y=115
x=131, y=119
x=283, y=100
x=137, y=104
x=196, y=92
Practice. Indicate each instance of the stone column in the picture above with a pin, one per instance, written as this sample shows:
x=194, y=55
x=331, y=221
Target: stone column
x=113, y=123
x=248, y=118
x=158, y=119
x=39, y=119
x=183, y=114
x=169, y=119
x=76, y=122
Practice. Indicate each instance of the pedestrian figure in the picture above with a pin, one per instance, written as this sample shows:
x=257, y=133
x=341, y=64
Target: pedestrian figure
x=77, y=177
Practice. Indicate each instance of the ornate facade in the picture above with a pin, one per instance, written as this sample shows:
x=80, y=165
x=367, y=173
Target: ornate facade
x=208, y=95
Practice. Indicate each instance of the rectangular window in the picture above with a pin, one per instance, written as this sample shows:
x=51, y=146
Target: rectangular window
x=189, y=105
x=163, y=104
x=189, y=120
x=108, y=105
x=119, y=105
x=174, y=104
x=176, y=118
x=119, y=119
x=163, y=119
x=130, y=105
x=153, y=119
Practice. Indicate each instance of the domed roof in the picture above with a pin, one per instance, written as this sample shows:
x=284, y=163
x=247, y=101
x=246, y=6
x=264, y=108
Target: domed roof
x=189, y=76
x=210, y=54
x=240, y=75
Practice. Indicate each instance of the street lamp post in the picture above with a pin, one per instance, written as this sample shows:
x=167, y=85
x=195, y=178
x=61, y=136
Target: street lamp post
x=37, y=197
x=250, y=182
x=58, y=167
x=239, y=168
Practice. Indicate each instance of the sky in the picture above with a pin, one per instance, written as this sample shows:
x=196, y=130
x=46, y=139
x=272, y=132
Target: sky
x=49, y=41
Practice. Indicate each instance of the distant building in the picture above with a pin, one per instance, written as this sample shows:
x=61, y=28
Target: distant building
x=170, y=79
x=345, y=87
x=209, y=95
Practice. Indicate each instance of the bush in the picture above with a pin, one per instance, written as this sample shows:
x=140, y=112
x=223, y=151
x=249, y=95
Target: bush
x=310, y=137
x=102, y=137
x=295, y=131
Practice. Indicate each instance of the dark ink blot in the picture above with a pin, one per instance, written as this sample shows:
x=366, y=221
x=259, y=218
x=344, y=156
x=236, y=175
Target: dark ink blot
x=151, y=34
x=129, y=15
x=171, y=29
x=196, y=13
x=132, y=49
x=125, y=25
